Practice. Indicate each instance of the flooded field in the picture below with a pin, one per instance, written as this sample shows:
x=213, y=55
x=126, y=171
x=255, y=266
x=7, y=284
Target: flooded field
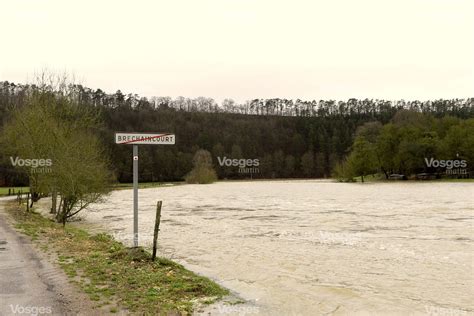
x=315, y=247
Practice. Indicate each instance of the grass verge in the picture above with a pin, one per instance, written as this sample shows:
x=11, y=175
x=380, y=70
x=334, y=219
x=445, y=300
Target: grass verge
x=115, y=276
x=4, y=190
x=144, y=185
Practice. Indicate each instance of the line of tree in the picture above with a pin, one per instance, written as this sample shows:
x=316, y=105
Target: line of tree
x=291, y=138
x=404, y=146
x=463, y=108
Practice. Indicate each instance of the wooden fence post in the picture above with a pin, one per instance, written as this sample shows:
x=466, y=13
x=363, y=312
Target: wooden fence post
x=28, y=201
x=157, y=229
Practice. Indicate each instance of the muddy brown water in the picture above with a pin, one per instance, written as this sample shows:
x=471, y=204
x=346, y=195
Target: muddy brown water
x=316, y=247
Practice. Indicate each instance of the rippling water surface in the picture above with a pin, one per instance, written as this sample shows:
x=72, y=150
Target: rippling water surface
x=315, y=247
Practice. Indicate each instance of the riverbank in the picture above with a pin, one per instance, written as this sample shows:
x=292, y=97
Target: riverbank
x=381, y=178
x=117, y=278
x=147, y=185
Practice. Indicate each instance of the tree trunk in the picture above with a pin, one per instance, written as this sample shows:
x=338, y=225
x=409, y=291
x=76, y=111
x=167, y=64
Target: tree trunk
x=54, y=201
x=59, y=210
x=64, y=213
x=34, y=198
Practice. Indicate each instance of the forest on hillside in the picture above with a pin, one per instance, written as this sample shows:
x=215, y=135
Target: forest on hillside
x=291, y=138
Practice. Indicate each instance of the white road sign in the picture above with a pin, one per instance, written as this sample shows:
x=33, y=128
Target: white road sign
x=141, y=139
x=145, y=138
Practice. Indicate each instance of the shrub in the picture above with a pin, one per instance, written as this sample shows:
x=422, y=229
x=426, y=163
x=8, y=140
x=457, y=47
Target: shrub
x=203, y=171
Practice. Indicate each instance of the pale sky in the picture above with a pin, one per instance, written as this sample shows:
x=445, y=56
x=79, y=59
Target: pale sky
x=244, y=49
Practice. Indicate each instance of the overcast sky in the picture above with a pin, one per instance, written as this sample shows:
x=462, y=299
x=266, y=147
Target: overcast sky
x=244, y=49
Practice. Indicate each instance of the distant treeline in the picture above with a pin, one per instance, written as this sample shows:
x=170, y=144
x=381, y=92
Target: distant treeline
x=291, y=138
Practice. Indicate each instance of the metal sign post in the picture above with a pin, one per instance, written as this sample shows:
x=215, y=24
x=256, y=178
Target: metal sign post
x=136, y=139
x=135, y=195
